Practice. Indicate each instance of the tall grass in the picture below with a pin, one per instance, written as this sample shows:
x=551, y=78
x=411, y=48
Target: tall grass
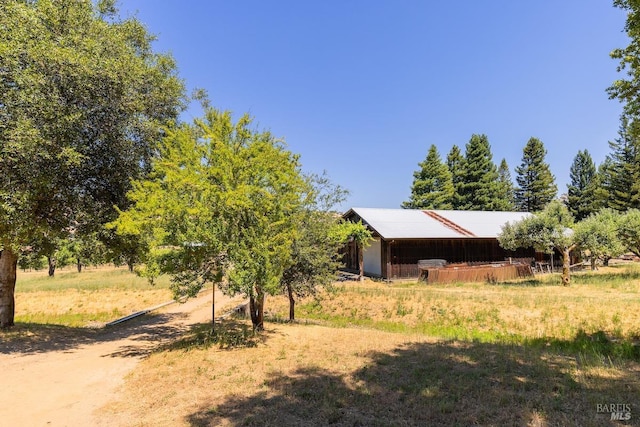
x=598, y=315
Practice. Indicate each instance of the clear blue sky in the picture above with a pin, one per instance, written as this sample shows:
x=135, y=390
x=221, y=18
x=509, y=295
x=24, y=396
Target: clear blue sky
x=362, y=88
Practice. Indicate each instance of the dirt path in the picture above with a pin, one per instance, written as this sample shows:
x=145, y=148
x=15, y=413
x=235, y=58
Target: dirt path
x=62, y=379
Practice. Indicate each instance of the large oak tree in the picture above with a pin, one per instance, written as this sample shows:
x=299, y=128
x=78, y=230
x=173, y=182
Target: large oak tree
x=82, y=99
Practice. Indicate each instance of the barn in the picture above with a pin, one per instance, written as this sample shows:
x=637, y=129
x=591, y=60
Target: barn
x=402, y=237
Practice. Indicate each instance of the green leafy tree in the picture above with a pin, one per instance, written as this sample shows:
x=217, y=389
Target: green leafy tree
x=432, y=187
x=581, y=195
x=358, y=233
x=629, y=230
x=222, y=205
x=536, y=184
x=83, y=97
x=314, y=252
x=545, y=231
x=505, y=195
x=480, y=188
x=456, y=165
x=598, y=236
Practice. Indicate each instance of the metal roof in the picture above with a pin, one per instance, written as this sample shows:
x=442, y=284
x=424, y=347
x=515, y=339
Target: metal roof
x=435, y=224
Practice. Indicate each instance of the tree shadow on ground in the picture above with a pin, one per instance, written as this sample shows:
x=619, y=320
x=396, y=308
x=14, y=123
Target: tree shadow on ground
x=145, y=333
x=441, y=384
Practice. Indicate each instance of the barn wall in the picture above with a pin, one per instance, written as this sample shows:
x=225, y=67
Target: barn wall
x=405, y=254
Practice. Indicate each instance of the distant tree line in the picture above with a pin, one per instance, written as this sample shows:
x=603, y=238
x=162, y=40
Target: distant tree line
x=472, y=181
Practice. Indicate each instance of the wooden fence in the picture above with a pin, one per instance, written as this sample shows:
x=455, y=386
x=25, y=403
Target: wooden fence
x=492, y=273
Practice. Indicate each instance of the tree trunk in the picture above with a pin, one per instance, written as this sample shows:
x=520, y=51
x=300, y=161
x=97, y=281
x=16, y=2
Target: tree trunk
x=52, y=265
x=361, y=261
x=79, y=265
x=292, y=304
x=593, y=263
x=256, y=307
x=130, y=266
x=566, y=264
x=8, y=266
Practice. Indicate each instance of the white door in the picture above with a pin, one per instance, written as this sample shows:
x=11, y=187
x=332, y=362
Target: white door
x=372, y=258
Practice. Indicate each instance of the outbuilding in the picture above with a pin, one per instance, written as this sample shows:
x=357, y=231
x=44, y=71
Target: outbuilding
x=402, y=237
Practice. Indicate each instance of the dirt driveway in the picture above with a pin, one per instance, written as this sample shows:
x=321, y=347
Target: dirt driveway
x=62, y=378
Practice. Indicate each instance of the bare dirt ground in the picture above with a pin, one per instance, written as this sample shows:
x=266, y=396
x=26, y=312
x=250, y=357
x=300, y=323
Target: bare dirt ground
x=61, y=379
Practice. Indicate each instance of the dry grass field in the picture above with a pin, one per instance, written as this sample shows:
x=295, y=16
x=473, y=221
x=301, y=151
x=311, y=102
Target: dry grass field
x=524, y=353
x=90, y=298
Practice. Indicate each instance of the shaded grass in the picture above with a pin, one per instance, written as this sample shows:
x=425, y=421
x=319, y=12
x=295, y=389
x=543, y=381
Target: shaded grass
x=307, y=375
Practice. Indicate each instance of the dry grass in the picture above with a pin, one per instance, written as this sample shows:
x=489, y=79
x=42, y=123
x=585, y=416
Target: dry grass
x=406, y=354
x=387, y=355
x=90, y=298
x=308, y=375
x=601, y=305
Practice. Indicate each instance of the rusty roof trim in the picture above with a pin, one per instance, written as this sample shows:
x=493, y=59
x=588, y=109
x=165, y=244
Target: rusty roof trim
x=450, y=224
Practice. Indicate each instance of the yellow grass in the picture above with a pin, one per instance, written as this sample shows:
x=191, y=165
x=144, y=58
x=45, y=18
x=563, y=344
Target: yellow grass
x=308, y=375
x=90, y=298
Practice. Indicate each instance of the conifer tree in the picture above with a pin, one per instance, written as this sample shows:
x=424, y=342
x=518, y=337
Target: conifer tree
x=623, y=187
x=432, y=187
x=536, y=184
x=479, y=188
x=581, y=197
x=505, y=187
x=456, y=165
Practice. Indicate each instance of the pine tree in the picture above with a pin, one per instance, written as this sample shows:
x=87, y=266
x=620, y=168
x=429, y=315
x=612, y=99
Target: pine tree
x=536, y=184
x=624, y=185
x=581, y=198
x=479, y=188
x=505, y=187
x=432, y=187
x=456, y=165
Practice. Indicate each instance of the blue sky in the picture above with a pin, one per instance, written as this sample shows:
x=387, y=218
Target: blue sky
x=362, y=88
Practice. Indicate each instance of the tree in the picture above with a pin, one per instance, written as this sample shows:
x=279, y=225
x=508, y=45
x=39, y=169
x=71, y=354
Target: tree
x=358, y=233
x=479, y=189
x=629, y=231
x=627, y=90
x=314, y=252
x=598, y=235
x=545, y=231
x=505, y=195
x=456, y=165
x=222, y=205
x=623, y=185
x=581, y=196
x=83, y=98
x=432, y=186
x=536, y=185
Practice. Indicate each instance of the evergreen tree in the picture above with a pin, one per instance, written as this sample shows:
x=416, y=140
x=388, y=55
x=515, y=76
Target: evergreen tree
x=624, y=181
x=456, y=165
x=432, y=186
x=505, y=187
x=479, y=190
x=536, y=184
x=602, y=184
x=581, y=197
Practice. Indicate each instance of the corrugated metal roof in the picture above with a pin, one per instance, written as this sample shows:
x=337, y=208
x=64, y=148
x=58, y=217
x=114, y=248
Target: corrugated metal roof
x=417, y=224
